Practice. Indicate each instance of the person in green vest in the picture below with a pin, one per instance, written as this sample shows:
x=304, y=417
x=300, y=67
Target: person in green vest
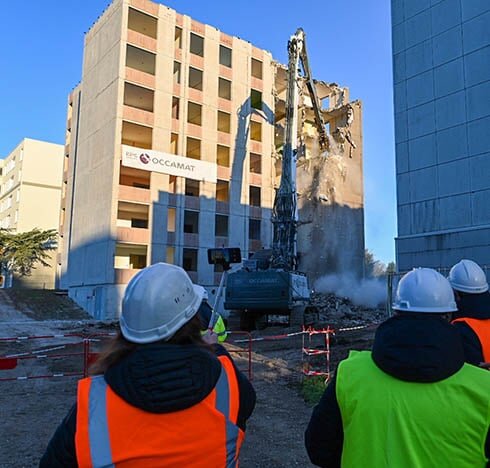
x=411, y=401
x=214, y=332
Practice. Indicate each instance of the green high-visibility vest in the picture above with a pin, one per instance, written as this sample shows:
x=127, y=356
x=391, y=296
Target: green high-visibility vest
x=391, y=423
x=220, y=329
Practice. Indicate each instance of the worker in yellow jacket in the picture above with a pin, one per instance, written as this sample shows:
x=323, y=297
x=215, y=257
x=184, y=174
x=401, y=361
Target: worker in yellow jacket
x=213, y=325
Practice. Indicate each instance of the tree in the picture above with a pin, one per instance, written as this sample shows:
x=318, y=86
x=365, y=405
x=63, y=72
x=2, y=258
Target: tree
x=19, y=252
x=373, y=267
x=391, y=268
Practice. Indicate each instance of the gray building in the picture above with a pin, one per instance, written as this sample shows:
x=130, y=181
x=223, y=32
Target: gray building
x=441, y=64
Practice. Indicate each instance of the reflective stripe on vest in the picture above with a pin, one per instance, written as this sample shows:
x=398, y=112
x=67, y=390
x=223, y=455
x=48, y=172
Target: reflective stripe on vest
x=482, y=330
x=93, y=436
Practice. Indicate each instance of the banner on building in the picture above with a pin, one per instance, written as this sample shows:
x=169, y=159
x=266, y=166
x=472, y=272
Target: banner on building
x=166, y=163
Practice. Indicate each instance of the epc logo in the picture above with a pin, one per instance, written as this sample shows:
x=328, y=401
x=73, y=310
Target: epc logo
x=144, y=158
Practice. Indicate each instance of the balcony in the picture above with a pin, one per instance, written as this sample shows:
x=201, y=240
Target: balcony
x=141, y=40
x=255, y=179
x=138, y=115
x=133, y=235
x=140, y=77
x=134, y=194
x=191, y=240
x=123, y=276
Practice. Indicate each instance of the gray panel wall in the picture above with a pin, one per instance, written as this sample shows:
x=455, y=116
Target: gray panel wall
x=441, y=72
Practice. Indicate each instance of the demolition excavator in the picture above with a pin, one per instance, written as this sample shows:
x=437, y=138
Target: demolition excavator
x=270, y=283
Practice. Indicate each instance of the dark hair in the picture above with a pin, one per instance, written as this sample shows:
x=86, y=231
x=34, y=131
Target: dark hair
x=119, y=346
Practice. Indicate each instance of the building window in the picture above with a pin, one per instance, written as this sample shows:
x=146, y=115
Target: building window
x=138, y=97
x=178, y=37
x=174, y=143
x=190, y=260
x=171, y=213
x=256, y=99
x=195, y=78
x=139, y=223
x=177, y=68
x=142, y=23
x=224, y=88
x=191, y=222
x=192, y=187
x=197, y=45
x=194, y=113
x=170, y=255
x=175, y=108
x=221, y=225
x=255, y=131
x=137, y=262
x=225, y=56
x=256, y=163
x=193, y=148
x=222, y=190
x=254, y=229
x=223, y=156
x=140, y=59
x=254, y=196
x=257, y=69
x=224, y=122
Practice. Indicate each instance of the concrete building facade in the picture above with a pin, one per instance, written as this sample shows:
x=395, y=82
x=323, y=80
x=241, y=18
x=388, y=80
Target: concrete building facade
x=441, y=63
x=30, y=194
x=173, y=140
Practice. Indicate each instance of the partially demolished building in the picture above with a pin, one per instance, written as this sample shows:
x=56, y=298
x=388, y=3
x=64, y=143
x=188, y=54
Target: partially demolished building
x=173, y=147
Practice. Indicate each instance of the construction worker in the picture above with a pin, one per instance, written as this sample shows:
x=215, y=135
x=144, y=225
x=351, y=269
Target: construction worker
x=159, y=395
x=213, y=325
x=411, y=401
x=472, y=319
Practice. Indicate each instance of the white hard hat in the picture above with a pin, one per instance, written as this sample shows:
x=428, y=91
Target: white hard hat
x=158, y=301
x=467, y=276
x=424, y=290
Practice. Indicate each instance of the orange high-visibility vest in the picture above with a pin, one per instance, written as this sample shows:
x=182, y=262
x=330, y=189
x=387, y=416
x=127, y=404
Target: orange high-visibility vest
x=112, y=433
x=482, y=330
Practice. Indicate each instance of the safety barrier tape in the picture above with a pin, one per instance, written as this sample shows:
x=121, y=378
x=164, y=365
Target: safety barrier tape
x=10, y=361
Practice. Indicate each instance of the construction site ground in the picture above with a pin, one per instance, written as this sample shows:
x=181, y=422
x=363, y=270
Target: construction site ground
x=31, y=409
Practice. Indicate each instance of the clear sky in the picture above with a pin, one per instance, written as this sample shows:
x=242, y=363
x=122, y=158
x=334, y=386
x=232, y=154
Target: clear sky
x=349, y=43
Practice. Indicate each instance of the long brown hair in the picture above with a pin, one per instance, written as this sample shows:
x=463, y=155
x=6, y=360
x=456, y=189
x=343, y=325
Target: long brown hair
x=119, y=347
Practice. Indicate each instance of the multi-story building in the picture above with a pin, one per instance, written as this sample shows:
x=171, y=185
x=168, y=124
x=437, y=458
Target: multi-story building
x=441, y=55
x=30, y=193
x=171, y=150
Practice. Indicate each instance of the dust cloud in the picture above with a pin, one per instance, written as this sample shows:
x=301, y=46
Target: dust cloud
x=369, y=293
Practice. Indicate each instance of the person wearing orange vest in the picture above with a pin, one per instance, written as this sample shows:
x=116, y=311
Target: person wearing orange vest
x=472, y=319
x=411, y=401
x=158, y=396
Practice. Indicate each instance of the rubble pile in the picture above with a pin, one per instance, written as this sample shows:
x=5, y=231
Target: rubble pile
x=329, y=309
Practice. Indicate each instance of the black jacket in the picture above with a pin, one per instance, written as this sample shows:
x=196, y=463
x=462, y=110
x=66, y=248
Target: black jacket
x=475, y=306
x=158, y=378
x=407, y=347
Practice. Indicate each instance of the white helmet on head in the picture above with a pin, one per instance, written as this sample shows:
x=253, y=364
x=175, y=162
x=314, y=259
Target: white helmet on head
x=158, y=301
x=424, y=290
x=467, y=276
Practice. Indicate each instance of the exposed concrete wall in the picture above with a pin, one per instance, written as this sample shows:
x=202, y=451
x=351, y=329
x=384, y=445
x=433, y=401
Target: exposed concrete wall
x=329, y=183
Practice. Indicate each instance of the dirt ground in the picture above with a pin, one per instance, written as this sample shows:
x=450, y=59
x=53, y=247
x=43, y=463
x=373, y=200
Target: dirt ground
x=31, y=409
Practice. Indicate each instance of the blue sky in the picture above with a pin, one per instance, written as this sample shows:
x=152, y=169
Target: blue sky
x=348, y=43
